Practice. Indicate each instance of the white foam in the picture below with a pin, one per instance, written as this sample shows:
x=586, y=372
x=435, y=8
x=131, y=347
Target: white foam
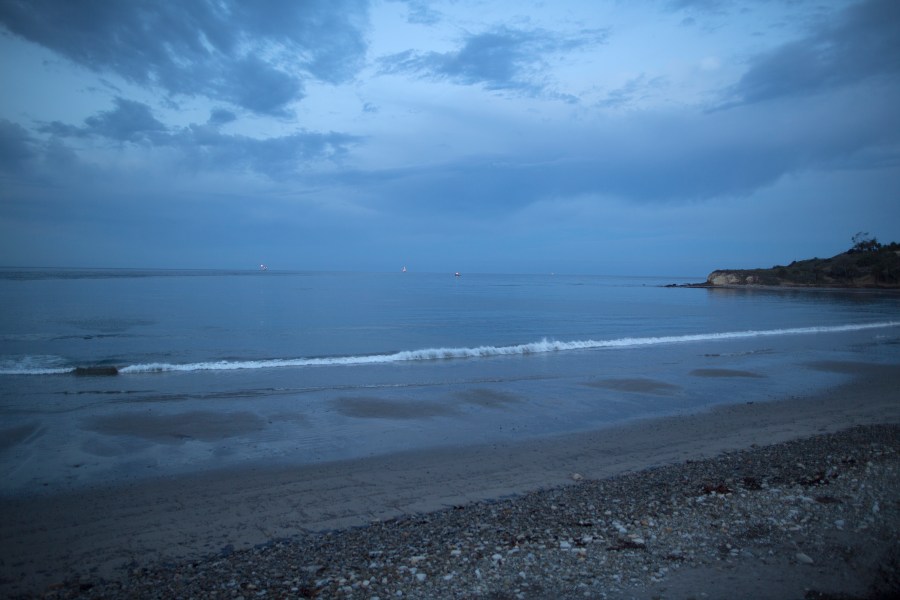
x=541, y=347
x=54, y=365
x=34, y=365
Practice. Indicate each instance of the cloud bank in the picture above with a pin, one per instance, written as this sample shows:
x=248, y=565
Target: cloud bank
x=348, y=134
x=258, y=56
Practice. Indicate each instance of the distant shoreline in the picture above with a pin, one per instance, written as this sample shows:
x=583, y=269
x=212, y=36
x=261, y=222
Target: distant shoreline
x=868, y=265
x=786, y=287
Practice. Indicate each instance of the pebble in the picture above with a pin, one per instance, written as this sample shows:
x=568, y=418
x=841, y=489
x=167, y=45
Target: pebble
x=603, y=538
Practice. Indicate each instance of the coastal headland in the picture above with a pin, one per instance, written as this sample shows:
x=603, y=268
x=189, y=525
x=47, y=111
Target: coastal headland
x=866, y=265
x=786, y=498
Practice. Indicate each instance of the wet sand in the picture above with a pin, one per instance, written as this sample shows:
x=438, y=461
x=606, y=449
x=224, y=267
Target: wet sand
x=104, y=533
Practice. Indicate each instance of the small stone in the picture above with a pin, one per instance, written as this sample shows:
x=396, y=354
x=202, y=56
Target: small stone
x=565, y=545
x=420, y=577
x=804, y=558
x=577, y=476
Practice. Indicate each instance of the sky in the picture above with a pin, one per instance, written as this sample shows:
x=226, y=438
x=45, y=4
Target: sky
x=609, y=137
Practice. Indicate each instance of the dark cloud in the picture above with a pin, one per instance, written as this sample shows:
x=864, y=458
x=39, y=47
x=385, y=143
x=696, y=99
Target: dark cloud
x=256, y=55
x=129, y=121
x=221, y=116
x=862, y=42
x=262, y=89
x=500, y=59
x=25, y=156
x=16, y=146
x=203, y=147
x=279, y=157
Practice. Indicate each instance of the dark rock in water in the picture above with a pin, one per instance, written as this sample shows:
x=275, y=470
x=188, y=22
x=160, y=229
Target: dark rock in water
x=97, y=370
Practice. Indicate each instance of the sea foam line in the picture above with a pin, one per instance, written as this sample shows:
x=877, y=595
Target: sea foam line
x=541, y=347
x=41, y=365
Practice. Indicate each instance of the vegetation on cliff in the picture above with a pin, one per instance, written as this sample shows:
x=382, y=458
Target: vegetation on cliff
x=868, y=264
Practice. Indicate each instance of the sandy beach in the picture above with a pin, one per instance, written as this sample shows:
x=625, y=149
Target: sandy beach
x=98, y=542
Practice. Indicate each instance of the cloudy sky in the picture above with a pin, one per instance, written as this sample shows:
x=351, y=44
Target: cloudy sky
x=666, y=137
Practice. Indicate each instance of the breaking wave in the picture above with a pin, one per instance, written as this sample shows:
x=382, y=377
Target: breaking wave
x=28, y=366
x=542, y=347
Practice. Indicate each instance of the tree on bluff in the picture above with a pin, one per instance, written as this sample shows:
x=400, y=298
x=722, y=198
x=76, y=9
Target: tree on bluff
x=863, y=242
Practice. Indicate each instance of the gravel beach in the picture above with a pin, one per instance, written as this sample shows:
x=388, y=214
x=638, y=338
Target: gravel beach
x=811, y=518
x=790, y=498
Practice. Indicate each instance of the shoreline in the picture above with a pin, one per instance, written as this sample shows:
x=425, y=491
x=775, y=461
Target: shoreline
x=109, y=534
x=787, y=286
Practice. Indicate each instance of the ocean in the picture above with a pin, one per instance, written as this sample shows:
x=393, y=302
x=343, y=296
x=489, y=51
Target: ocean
x=217, y=369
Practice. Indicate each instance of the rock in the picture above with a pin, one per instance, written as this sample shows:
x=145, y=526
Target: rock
x=723, y=278
x=804, y=558
x=96, y=371
x=721, y=489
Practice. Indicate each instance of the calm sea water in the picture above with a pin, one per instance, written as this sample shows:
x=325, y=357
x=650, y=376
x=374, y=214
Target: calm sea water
x=218, y=368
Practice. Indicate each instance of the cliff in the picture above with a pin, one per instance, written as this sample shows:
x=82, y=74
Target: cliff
x=875, y=267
